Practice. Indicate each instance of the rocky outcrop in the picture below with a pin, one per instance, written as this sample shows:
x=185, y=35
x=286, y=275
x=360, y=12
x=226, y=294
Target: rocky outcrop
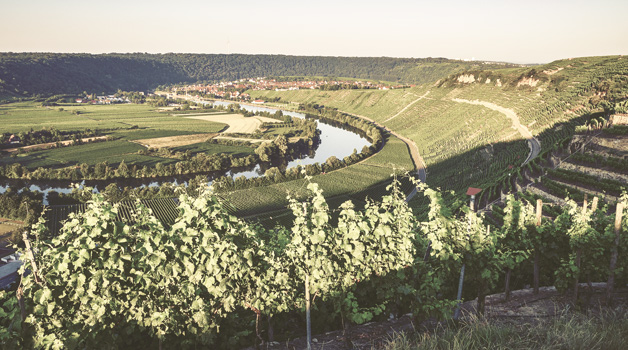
x=466, y=79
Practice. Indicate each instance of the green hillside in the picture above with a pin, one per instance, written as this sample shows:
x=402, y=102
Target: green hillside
x=51, y=73
x=465, y=144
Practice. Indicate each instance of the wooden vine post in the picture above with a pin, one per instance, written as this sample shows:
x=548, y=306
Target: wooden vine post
x=611, y=276
x=537, y=255
x=308, y=319
x=20, y=292
x=482, y=287
x=579, y=256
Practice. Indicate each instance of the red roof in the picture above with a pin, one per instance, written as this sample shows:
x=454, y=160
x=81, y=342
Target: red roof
x=472, y=191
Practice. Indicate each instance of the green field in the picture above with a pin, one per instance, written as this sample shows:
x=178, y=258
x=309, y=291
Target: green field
x=123, y=122
x=111, y=151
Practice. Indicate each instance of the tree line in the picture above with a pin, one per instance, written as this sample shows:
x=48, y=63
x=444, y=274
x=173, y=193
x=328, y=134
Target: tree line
x=28, y=74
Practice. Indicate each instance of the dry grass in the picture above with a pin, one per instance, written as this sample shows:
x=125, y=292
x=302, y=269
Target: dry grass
x=4, y=228
x=237, y=122
x=606, y=330
x=174, y=141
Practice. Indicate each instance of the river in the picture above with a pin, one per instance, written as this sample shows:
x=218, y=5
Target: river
x=334, y=141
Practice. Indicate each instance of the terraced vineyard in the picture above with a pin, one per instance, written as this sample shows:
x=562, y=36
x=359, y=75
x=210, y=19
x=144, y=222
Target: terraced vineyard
x=591, y=165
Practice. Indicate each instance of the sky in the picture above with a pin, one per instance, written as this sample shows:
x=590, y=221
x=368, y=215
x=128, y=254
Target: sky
x=513, y=31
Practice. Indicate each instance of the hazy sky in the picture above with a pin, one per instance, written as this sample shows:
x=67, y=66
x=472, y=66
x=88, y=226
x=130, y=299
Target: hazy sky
x=515, y=31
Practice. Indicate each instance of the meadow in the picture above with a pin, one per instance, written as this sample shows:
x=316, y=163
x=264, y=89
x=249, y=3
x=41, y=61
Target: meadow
x=122, y=122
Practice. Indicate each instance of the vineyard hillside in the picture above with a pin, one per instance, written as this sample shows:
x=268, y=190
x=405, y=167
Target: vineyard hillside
x=463, y=141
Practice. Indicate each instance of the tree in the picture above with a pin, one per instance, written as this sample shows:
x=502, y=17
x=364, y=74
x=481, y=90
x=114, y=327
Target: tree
x=281, y=142
x=123, y=170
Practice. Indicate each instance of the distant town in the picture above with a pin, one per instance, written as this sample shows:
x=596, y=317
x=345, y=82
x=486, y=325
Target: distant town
x=235, y=90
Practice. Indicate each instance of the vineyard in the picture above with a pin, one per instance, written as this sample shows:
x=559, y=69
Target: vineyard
x=253, y=265
x=164, y=209
x=236, y=283
x=369, y=174
x=466, y=145
x=591, y=164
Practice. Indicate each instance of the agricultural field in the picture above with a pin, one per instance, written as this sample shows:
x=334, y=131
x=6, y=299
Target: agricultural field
x=111, y=151
x=209, y=148
x=174, y=141
x=237, y=122
x=130, y=127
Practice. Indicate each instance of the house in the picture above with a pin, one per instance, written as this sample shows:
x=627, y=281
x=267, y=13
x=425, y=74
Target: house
x=260, y=102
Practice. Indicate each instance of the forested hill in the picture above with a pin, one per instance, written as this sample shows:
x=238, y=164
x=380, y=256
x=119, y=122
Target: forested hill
x=23, y=74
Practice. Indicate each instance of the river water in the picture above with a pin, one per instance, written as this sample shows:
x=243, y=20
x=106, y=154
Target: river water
x=334, y=141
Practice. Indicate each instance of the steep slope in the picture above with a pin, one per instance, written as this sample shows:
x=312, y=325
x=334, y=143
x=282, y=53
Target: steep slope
x=469, y=144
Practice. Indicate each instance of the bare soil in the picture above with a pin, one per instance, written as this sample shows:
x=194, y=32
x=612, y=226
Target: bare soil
x=237, y=122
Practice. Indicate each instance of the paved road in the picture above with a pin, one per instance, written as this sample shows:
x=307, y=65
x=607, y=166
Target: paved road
x=533, y=143
x=418, y=161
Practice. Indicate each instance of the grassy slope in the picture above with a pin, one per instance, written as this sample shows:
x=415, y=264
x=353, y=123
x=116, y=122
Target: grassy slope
x=440, y=128
x=465, y=144
x=569, y=331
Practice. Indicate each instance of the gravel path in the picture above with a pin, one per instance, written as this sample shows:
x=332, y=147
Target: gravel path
x=533, y=143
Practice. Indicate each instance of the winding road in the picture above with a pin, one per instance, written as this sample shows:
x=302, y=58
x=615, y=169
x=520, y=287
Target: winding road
x=418, y=161
x=533, y=143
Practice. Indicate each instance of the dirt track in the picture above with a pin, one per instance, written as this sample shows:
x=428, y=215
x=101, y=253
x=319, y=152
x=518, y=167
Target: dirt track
x=51, y=144
x=408, y=106
x=533, y=143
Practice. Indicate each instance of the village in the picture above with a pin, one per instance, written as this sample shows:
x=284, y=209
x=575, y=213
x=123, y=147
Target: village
x=236, y=89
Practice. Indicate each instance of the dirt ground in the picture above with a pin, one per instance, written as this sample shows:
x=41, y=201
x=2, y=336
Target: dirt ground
x=523, y=307
x=237, y=122
x=174, y=141
x=6, y=227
